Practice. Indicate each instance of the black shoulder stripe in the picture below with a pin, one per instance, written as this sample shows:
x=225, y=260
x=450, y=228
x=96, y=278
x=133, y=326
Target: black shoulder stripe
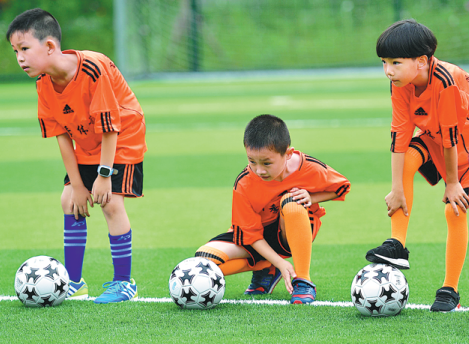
x=445, y=79
x=448, y=74
x=94, y=64
x=91, y=69
x=431, y=68
x=91, y=75
x=311, y=159
x=244, y=173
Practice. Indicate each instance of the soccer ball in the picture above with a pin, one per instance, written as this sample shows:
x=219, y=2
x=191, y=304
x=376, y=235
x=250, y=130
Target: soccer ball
x=379, y=290
x=197, y=283
x=41, y=281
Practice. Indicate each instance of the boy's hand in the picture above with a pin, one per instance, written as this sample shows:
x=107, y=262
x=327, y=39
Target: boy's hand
x=288, y=272
x=101, y=191
x=455, y=194
x=394, y=201
x=301, y=197
x=79, y=201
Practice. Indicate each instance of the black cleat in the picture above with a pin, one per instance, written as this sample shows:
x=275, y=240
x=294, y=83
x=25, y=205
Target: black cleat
x=446, y=300
x=391, y=252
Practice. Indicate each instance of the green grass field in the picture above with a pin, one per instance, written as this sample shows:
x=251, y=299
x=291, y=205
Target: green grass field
x=195, y=152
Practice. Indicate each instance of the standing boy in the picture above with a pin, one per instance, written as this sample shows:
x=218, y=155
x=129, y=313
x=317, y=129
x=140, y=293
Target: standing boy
x=433, y=96
x=275, y=212
x=84, y=101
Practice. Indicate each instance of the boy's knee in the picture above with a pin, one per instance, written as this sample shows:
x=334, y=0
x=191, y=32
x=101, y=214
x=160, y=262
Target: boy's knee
x=289, y=206
x=215, y=255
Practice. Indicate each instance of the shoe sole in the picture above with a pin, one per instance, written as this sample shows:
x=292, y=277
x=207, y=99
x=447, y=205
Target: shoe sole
x=105, y=303
x=397, y=263
x=440, y=311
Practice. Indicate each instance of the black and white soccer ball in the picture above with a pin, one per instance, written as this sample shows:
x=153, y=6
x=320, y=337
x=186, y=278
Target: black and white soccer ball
x=379, y=290
x=197, y=283
x=41, y=281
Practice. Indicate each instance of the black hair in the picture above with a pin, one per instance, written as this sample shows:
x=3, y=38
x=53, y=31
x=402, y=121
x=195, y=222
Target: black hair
x=41, y=23
x=406, y=39
x=267, y=131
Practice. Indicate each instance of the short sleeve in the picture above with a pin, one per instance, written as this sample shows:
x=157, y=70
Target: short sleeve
x=104, y=107
x=48, y=124
x=402, y=128
x=448, y=105
x=246, y=223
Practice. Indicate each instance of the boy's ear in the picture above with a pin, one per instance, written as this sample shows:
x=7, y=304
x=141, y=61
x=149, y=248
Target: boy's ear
x=422, y=61
x=289, y=152
x=51, y=46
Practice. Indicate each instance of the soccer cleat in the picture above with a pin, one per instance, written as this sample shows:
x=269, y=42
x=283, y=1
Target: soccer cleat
x=446, y=300
x=77, y=291
x=304, y=291
x=264, y=281
x=391, y=252
x=118, y=291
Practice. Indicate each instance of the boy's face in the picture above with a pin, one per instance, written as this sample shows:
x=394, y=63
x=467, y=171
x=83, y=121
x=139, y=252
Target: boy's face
x=31, y=54
x=401, y=71
x=268, y=164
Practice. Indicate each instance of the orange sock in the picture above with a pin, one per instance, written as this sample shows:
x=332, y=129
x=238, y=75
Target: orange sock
x=235, y=266
x=299, y=236
x=456, y=246
x=215, y=255
x=400, y=222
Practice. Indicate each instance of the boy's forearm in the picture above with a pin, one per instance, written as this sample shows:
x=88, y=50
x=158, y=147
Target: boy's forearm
x=397, y=169
x=451, y=163
x=108, y=149
x=68, y=156
x=318, y=197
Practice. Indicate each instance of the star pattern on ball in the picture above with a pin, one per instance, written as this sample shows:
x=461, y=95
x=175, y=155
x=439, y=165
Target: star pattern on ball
x=188, y=295
x=388, y=293
x=60, y=287
x=373, y=306
x=47, y=301
x=50, y=272
x=405, y=296
x=33, y=275
x=173, y=273
x=205, y=268
x=186, y=276
x=207, y=299
x=176, y=300
x=217, y=282
x=381, y=274
x=30, y=293
x=22, y=266
x=357, y=294
x=363, y=276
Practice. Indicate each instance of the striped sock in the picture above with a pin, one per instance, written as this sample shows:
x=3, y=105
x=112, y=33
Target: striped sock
x=121, y=250
x=75, y=233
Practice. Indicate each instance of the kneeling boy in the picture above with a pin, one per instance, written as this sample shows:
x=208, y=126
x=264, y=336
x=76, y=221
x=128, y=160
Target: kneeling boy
x=275, y=212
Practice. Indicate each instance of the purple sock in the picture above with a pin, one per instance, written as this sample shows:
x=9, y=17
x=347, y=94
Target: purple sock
x=121, y=250
x=74, y=245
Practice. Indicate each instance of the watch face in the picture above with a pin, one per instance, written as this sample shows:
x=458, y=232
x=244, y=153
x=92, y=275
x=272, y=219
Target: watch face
x=104, y=171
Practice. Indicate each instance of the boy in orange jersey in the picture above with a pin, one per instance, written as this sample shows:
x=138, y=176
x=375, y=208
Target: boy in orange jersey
x=84, y=101
x=275, y=212
x=434, y=96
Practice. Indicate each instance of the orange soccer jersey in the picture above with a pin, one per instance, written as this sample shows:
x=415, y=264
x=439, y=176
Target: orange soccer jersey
x=256, y=202
x=440, y=112
x=98, y=100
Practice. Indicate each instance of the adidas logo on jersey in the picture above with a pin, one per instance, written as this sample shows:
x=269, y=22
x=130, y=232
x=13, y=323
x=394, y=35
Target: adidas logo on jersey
x=420, y=112
x=67, y=109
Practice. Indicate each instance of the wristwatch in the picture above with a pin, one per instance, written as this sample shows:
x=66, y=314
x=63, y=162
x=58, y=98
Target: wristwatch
x=106, y=171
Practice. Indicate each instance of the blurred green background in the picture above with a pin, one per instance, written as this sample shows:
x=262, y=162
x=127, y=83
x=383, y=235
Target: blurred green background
x=160, y=36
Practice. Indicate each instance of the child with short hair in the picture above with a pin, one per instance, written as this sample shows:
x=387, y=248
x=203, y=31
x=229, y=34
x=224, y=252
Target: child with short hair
x=275, y=212
x=433, y=96
x=84, y=101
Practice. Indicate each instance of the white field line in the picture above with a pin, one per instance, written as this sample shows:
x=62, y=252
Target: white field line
x=251, y=302
x=292, y=124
